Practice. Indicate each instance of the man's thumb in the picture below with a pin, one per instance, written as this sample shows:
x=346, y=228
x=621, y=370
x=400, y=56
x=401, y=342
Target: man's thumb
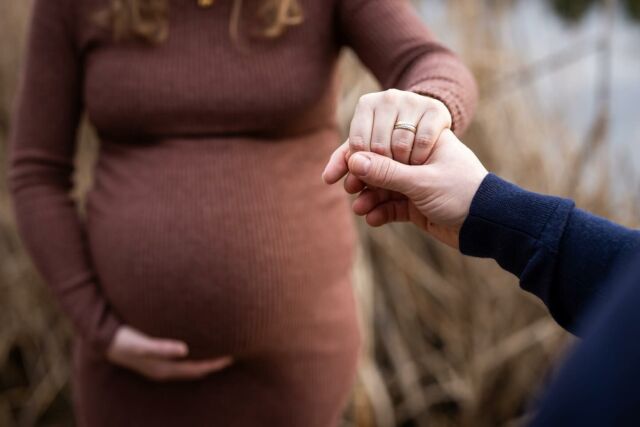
x=382, y=172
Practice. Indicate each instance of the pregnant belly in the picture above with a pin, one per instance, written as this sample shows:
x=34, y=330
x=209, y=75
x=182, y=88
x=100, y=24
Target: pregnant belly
x=233, y=246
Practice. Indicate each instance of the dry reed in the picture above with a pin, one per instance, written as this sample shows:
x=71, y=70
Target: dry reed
x=450, y=341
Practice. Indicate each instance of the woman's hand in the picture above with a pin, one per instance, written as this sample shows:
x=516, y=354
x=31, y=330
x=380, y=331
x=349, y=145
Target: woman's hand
x=374, y=128
x=377, y=114
x=435, y=196
x=159, y=359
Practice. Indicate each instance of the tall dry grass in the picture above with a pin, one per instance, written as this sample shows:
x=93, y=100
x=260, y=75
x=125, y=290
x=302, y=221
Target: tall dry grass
x=451, y=341
x=33, y=339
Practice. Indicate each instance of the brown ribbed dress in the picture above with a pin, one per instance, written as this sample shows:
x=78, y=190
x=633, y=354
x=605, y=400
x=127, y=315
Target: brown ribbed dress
x=208, y=221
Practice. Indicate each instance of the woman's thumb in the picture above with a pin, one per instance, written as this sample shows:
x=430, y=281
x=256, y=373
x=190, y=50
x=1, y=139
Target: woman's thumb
x=382, y=172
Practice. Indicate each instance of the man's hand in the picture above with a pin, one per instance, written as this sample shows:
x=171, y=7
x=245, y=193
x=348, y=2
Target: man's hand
x=373, y=129
x=435, y=196
x=159, y=359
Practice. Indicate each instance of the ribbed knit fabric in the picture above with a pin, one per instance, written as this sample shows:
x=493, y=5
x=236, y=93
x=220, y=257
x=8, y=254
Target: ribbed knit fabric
x=586, y=270
x=561, y=254
x=208, y=221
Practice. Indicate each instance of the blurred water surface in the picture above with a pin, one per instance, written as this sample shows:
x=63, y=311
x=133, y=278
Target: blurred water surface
x=535, y=31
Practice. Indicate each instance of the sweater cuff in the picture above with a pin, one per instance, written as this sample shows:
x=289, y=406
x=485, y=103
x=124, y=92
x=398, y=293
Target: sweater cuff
x=89, y=311
x=104, y=336
x=509, y=224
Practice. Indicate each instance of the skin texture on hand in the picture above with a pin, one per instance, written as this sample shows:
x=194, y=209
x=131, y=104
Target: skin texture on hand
x=435, y=196
x=159, y=359
x=374, y=119
x=372, y=126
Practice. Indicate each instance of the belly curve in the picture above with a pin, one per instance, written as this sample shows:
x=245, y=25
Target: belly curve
x=231, y=245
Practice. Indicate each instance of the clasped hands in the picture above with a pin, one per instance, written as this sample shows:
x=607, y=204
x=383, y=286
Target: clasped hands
x=405, y=163
x=428, y=177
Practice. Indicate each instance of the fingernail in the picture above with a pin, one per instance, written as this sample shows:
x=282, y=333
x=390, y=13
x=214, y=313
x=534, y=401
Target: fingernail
x=360, y=164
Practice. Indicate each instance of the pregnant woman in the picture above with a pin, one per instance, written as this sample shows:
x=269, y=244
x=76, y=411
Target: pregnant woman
x=209, y=281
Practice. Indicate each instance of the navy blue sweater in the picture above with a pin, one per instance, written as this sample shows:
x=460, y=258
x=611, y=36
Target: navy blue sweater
x=587, y=271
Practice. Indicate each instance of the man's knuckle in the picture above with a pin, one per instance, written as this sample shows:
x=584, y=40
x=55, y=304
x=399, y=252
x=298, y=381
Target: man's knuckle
x=393, y=212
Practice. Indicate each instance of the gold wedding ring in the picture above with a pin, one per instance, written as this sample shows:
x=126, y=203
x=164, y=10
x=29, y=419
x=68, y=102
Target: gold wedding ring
x=406, y=126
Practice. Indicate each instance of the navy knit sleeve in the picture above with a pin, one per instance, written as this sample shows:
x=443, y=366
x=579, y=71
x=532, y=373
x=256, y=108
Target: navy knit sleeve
x=561, y=254
x=598, y=382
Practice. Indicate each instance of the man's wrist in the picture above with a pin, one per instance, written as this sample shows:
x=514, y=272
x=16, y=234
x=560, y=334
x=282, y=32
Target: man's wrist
x=503, y=217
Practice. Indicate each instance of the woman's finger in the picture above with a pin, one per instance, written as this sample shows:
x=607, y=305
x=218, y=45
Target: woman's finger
x=187, y=370
x=384, y=119
x=129, y=341
x=362, y=125
x=337, y=166
x=198, y=369
x=144, y=346
x=429, y=129
x=402, y=140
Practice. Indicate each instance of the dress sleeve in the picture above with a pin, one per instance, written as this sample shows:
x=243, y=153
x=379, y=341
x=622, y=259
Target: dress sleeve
x=42, y=147
x=393, y=42
x=561, y=254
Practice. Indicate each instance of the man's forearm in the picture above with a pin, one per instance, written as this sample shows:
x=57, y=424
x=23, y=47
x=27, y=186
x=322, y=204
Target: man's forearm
x=561, y=254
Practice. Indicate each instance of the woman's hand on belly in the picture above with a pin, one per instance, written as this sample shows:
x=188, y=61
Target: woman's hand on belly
x=159, y=359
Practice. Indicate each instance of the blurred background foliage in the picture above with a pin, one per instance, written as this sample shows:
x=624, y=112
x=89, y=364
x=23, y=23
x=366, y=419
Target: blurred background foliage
x=450, y=341
x=574, y=10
